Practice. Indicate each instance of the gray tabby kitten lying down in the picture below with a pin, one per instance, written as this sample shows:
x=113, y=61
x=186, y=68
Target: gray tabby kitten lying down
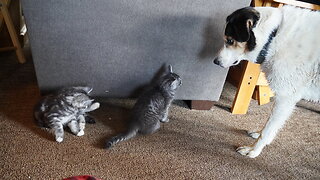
x=151, y=108
x=66, y=107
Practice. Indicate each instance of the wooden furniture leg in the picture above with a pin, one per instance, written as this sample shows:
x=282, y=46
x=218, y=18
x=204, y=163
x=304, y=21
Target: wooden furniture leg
x=263, y=95
x=12, y=32
x=245, y=89
x=201, y=105
x=253, y=82
x=262, y=91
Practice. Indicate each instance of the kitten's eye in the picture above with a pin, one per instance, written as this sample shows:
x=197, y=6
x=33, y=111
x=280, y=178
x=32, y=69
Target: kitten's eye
x=229, y=41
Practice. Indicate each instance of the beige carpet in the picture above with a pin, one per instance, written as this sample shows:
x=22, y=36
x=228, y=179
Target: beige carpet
x=193, y=145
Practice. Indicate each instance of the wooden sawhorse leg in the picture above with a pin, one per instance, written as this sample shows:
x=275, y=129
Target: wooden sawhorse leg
x=246, y=88
x=262, y=94
x=253, y=83
x=13, y=34
x=252, y=79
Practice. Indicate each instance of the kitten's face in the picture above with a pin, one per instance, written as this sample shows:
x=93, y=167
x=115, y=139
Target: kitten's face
x=80, y=101
x=171, y=81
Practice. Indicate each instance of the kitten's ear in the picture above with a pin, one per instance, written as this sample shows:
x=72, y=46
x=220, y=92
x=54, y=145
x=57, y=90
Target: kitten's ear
x=165, y=70
x=170, y=69
x=84, y=88
x=161, y=73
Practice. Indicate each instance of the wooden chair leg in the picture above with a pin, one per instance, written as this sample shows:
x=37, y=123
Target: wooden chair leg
x=246, y=88
x=201, y=105
x=263, y=95
x=12, y=32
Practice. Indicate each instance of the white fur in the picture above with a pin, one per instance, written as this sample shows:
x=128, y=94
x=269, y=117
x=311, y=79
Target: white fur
x=80, y=133
x=65, y=119
x=59, y=139
x=94, y=106
x=74, y=127
x=82, y=124
x=292, y=65
x=254, y=135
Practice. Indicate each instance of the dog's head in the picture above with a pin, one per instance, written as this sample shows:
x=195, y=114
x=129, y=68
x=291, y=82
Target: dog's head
x=238, y=37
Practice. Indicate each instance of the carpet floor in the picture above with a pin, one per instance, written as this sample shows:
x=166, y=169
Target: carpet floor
x=193, y=145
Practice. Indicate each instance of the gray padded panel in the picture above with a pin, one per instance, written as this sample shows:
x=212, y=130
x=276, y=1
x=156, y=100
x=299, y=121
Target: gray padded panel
x=119, y=45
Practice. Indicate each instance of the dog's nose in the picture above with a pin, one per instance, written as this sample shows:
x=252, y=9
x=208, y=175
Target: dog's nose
x=216, y=61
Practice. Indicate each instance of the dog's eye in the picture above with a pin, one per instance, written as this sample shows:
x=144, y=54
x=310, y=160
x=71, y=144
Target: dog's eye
x=229, y=41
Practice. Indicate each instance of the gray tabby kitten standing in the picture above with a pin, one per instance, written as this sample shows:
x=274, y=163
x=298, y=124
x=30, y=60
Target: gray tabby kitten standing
x=151, y=108
x=66, y=107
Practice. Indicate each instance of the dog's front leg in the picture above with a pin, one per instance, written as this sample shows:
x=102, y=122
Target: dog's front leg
x=282, y=109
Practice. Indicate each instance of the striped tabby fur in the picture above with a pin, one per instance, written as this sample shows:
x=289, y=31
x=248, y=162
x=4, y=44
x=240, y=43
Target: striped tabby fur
x=66, y=107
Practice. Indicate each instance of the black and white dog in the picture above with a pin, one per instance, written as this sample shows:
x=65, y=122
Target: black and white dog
x=286, y=42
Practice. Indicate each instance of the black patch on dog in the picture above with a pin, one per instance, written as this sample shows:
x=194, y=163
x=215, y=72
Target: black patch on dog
x=264, y=51
x=239, y=26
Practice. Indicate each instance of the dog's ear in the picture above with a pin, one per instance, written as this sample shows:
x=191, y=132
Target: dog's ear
x=240, y=23
x=238, y=30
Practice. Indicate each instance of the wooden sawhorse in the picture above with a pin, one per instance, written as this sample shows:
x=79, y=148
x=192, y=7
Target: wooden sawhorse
x=253, y=83
x=5, y=16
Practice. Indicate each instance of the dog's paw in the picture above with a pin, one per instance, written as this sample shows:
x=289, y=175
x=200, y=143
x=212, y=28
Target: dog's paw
x=59, y=139
x=254, y=135
x=80, y=133
x=248, y=151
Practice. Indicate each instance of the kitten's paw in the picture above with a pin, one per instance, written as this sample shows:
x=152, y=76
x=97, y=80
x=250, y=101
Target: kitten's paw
x=248, y=151
x=254, y=135
x=80, y=133
x=95, y=106
x=59, y=139
x=165, y=120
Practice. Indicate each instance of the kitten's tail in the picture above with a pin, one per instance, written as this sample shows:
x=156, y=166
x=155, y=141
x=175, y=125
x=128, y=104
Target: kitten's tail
x=121, y=137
